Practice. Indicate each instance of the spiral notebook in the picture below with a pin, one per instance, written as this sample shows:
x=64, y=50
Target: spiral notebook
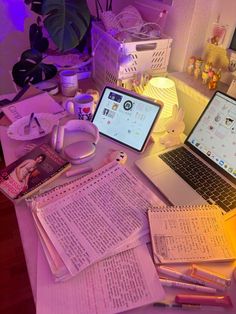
x=189, y=234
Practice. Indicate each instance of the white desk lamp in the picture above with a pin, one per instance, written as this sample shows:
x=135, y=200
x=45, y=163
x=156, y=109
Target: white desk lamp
x=162, y=88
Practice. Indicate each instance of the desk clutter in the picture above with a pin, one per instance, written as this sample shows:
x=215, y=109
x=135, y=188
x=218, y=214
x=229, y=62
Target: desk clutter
x=95, y=231
x=84, y=237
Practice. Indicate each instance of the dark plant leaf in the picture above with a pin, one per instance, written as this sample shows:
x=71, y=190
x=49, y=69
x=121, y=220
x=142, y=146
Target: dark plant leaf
x=35, y=34
x=31, y=69
x=32, y=54
x=41, y=45
x=37, y=41
x=66, y=21
x=35, y=5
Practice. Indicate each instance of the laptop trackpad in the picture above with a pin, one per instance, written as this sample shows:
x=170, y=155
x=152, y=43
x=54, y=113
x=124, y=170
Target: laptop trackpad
x=176, y=189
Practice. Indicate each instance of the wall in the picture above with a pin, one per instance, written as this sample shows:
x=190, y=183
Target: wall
x=190, y=24
x=15, y=19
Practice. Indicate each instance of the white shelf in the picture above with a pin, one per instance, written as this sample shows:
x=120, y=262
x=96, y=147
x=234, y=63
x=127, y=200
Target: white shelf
x=193, y=96
x=194, y=88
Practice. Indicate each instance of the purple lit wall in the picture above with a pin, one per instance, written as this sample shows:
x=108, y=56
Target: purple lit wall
x=13, y=14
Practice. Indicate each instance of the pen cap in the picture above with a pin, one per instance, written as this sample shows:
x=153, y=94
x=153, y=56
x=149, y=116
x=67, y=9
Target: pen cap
x=224, y=301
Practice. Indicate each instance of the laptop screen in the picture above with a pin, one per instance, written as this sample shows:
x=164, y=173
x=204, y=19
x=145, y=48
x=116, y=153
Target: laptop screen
x=214, y=135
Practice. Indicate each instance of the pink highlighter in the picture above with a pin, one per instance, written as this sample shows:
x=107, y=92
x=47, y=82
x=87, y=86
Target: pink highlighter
x=223, y=301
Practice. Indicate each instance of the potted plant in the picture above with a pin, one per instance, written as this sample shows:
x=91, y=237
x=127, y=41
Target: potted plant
x=66, y=22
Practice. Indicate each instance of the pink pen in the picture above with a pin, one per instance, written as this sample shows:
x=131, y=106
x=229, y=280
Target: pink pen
x=224, y=301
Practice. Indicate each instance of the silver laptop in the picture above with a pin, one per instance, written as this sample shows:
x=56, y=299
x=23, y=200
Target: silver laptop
x=203, y=169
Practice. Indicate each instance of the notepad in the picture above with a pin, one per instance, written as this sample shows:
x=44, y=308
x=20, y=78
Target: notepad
x=189, y=234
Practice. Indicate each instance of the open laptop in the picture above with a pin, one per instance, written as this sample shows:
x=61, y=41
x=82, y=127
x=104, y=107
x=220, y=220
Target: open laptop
x=203, y=169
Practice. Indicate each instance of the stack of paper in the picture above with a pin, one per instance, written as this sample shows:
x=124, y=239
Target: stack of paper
x=90, y=219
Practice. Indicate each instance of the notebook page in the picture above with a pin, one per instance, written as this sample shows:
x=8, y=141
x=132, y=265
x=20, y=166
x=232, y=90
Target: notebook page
x=105, y=213
x=122, y=282
x=189, y=234
x=67, y=188
x=42, y=102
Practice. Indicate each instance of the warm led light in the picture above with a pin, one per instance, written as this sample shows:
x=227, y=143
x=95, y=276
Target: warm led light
x=163, y=89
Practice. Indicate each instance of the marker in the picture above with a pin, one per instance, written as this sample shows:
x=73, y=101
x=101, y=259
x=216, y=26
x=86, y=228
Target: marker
x=179, y=306
x=201, y=273
x=189, y=286
x=178, y=275
x=217, y=300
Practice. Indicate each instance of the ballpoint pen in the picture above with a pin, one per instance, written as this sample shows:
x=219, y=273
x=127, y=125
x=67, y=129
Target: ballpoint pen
x=188, y=306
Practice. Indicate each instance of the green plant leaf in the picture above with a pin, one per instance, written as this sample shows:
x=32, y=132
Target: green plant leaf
x=31, y=69
x=66, y=21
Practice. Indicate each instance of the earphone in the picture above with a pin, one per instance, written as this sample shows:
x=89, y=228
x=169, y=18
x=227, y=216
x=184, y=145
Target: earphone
x=78, y=152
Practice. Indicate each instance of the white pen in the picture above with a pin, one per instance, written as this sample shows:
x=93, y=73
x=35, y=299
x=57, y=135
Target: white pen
x=189, y=286
x=178, y=275
x=77, y=171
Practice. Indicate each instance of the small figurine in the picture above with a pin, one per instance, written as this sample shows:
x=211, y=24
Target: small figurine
x=174, y=128
x=198, y=68
x=205, y=73
x=215, y=40
x=191, y=64
x=212, y=84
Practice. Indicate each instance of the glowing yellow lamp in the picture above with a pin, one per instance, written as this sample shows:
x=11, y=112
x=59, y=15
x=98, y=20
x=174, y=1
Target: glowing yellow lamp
x=163, y=89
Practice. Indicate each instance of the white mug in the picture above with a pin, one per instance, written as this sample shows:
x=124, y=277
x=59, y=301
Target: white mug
x=68, y=82
x=82, y=105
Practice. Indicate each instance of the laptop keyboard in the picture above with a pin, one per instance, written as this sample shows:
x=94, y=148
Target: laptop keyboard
x=201, y=178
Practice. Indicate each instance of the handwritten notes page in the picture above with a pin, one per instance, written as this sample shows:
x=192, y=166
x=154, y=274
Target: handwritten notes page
x=118, y=283
x=189, y=234
x=39, y=103
x=105, y=215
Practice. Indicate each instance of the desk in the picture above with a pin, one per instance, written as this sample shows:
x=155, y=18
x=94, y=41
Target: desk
x=32, y=248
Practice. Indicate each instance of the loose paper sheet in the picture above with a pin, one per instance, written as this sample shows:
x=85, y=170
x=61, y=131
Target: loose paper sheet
x=119, y=283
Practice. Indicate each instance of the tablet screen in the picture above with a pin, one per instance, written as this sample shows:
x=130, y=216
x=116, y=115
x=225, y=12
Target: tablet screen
x=125, y=117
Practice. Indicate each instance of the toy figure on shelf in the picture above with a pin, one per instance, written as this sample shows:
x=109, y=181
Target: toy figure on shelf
x=174, y=128
x=191, y=63
x=212, y=84
x=215, y=40
x=205, y=73
x=197, y=68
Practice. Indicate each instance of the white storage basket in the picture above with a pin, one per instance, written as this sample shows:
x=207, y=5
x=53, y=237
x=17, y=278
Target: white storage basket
x=151, y=56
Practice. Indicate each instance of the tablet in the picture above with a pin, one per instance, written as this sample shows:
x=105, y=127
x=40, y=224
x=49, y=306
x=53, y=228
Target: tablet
x=126, y=117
